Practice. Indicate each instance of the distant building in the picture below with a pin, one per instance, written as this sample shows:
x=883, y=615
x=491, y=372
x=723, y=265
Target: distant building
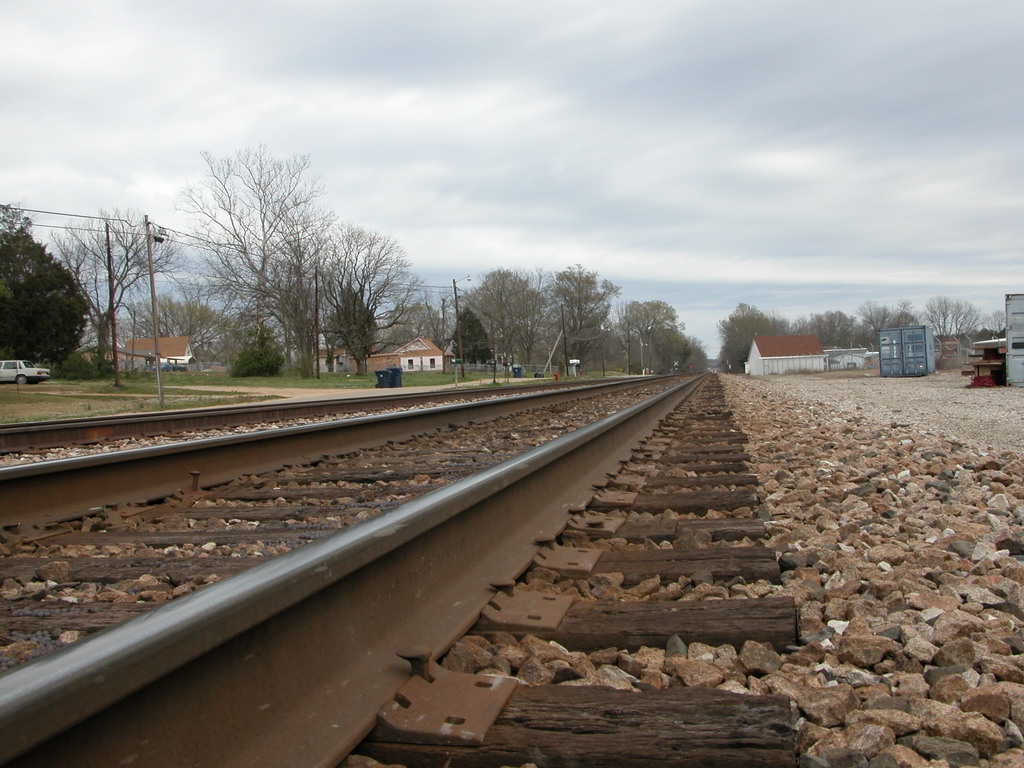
x=417, y=355
x=139, y=354
x=846, y=359
x=785, y=354
x=335, y=361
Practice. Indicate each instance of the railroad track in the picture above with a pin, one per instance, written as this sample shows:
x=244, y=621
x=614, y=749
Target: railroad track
x=37, y=436
x=310, y=653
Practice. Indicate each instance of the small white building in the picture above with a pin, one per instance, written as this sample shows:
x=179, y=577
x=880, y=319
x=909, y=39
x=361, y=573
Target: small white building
x=846, y=359
x=417, y=355
x=785, y=354
x=140, y=354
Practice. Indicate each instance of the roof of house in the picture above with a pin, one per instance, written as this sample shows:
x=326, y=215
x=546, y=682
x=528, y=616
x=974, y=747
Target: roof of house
x=788, y=346
x=170, y=346
x=420, y=347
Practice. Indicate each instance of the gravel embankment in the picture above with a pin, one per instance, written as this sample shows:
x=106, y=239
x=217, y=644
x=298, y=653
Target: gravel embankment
x=900, y=510
x=992, y=417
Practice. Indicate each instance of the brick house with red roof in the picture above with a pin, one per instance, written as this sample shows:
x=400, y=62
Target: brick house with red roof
x=785, y=354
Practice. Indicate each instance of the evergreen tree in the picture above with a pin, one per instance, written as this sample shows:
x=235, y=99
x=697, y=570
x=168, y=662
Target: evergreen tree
x=474, y=339
x=42, y=311
x=260, y=355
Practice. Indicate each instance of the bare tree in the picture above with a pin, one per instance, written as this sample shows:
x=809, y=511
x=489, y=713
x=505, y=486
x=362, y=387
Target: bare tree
x=739, y=329
x=511, y=303
x=583, y=303
x=834, y=329
x=197, y=314
x=430, y=315
x=256, y=219
x=111, y=277
x=994, y=324
x=950, y=317
x=876, y=316
x=655, y=327
x=368, y=288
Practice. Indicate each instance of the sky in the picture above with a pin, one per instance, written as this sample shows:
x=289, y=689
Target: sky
x=797, y=155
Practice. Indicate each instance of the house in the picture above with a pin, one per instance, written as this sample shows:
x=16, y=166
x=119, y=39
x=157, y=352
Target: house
x=140, y=354
x=335, y=361
x=417, y=355
x=785, y=354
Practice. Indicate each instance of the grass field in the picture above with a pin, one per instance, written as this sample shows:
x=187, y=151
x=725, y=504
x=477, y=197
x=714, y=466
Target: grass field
x=62, y=399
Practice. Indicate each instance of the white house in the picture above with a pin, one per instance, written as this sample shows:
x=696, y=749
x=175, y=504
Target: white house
x=785, y=354
x=174, y=350
x=335, y=361
x=417, y=355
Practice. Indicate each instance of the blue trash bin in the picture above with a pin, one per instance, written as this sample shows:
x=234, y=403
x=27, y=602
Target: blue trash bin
x=517, y=371
x=396, y=376
x=383, y=379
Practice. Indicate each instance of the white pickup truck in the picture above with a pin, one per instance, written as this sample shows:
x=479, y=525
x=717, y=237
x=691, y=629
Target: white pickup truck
x=22, y=372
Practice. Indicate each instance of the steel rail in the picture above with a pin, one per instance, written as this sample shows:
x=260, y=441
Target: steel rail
x=45, y=434
x=47, y=492
x=287, y=663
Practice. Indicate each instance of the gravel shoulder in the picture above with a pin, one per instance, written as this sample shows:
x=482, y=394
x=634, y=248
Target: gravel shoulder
x=940, y=403
x=898, y=508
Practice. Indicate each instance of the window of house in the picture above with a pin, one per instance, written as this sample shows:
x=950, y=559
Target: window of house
x=410, y=363
x=433, y=362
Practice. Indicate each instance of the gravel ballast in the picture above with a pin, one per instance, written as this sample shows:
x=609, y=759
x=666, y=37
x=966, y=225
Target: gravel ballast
x=897, y=507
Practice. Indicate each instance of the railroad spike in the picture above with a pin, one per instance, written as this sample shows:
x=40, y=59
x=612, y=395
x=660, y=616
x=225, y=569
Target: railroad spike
x=419, y=656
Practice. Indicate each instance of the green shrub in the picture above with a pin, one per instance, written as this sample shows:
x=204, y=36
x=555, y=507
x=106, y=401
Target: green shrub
x=259, y=355
x=84, y=367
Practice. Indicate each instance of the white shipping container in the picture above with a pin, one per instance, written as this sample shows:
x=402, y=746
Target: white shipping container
x=1015, y=339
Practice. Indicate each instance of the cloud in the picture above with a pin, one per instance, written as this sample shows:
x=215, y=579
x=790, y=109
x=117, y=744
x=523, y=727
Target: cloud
x=765, y=151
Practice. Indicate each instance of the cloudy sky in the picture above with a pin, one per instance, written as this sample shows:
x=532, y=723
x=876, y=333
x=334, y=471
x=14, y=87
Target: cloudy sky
x=798, y=155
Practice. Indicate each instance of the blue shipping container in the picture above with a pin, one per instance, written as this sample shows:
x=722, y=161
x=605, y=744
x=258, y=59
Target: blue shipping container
x=906, y=351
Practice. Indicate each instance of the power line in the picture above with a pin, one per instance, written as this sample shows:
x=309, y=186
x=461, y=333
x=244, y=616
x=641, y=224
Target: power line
x=67, y=228
x=73, y=215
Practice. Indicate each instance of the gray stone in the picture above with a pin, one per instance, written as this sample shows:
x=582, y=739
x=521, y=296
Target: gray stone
x=844, y=757
x=675, y=646
x=884, y=760
x=956, y=753
x=934, y=674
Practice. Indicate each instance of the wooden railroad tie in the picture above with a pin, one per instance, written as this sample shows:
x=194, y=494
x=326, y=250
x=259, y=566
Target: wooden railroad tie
x=601, y=526
x=720, y=563
x=692, y=503
x=590, y=626
x=565, y=726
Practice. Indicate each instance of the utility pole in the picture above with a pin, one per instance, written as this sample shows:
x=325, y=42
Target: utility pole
x=565, y=342
x=458, y=328
x=156, y=322
x=444, y=334
x=110, y=308
x=316, y=318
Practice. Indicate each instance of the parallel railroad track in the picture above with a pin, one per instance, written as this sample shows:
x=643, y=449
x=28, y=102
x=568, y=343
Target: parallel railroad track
x=40, y=435
x=172, y=546
x=664, y=552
